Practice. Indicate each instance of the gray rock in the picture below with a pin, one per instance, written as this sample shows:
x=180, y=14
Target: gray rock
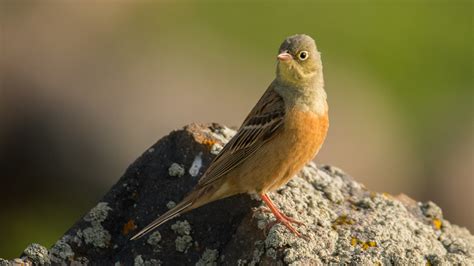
x=4, y=262
x=344, y=222
x=36, y=254
x=61, y=252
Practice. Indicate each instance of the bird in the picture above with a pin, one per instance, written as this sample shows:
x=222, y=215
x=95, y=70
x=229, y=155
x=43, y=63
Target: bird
x=283, y=132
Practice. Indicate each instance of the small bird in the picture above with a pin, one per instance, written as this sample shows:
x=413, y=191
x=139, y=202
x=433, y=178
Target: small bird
x=283, y=132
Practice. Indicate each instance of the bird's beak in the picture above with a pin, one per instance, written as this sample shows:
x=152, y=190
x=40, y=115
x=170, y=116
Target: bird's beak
x=285, y=56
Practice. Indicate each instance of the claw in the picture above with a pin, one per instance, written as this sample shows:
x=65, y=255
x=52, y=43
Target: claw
x=279, y=216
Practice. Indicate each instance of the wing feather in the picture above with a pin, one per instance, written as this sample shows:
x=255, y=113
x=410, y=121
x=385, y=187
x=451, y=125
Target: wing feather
x=263, y=122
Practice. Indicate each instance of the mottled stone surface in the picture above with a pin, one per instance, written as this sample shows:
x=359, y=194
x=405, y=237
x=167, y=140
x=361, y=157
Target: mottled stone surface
x=345, y=223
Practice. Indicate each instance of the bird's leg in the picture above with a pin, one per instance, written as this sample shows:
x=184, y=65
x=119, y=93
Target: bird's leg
x=267, y=210
x=280, y=217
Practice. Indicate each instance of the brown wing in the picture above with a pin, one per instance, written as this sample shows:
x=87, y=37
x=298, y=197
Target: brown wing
x=263, y=122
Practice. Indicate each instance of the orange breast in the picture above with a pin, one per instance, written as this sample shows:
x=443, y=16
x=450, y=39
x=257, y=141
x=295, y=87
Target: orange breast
x=276, y=162
x=304, y=133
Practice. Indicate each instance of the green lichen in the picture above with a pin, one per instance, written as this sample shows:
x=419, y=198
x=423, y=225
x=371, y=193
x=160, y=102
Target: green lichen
x=271, y=252
x=258, y=252
x=176, y=170
x=154, y=238
x=171, y=204
x=79, y=261
x=138, y=261
x=37, y=254
x=208, y=258
x=182, y=243
x=431, y=210
x=61, y=252
x=96, y=235
x=372, y=229
x=181, y=227
x=98, y=214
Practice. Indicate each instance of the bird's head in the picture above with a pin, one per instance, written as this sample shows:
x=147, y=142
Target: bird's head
x=299, y=62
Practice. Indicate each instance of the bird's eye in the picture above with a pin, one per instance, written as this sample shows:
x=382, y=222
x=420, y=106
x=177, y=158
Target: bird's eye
x=303, y=55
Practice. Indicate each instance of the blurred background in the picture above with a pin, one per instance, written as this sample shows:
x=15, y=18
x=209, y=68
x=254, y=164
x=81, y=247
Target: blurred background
x=87, y=86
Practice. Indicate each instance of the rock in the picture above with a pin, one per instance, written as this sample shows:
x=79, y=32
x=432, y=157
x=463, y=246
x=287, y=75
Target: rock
x=176, y=170
x=344, y=222
x=36, y=254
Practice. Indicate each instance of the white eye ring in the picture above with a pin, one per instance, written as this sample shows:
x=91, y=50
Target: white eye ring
x=303, y=55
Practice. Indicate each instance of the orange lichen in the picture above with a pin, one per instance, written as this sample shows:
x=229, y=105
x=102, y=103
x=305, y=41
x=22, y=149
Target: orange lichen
x=129, y=226
x=208, y=142
x=437, y=223
x=198, y=135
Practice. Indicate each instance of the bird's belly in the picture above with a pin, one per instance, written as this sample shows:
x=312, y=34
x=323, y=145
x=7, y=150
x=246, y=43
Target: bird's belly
x=287, y=153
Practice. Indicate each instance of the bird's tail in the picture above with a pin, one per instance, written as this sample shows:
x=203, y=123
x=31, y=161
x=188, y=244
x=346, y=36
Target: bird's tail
x=182, y=207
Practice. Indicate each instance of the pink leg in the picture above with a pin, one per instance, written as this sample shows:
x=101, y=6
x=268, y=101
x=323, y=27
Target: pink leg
x=280, y=217
x=267, y=210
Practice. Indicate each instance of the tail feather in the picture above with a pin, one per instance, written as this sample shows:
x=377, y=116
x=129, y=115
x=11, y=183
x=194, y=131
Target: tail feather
x=179, y=209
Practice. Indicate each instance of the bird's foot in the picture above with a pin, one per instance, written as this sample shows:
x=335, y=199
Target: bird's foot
x=279, y=216
x=267, y=210
x=286, y=223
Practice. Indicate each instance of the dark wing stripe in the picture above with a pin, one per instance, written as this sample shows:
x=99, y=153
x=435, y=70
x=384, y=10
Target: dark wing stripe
x=260, y=125
x=227, y=166
x=250, y=137
x=257, y=127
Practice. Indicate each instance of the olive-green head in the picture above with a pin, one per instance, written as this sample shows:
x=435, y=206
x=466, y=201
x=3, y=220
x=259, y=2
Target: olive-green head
x=299, y=62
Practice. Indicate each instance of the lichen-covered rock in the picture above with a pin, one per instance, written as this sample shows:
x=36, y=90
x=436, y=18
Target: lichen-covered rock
x=36, y=254
x=344, y=222
x=96, y=235
x=154, y=238
x=209, y=258
x=181, y=228
x=361, y=227
x=176, y=170
x=61, y=252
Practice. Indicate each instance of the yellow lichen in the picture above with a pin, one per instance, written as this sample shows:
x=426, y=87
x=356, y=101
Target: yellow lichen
x=354, y=241
x=372, y=244
x=365, y=246
x=368, y=244
x=343, y=220
x=437, y=223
